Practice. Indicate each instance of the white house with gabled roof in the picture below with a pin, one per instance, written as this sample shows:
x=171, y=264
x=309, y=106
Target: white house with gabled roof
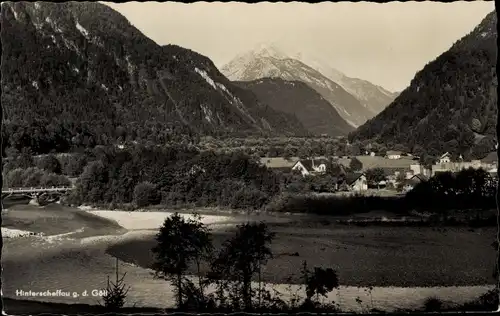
x=445, y=158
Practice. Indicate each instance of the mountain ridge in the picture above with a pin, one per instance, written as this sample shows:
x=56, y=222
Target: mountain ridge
x=374, y=97
x=450, y=105
x=356, y=100
x=249, y=67
x=296, y=97
x=87, y=75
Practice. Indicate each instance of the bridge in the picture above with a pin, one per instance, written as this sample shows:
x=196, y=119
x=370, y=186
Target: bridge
x=38, y=193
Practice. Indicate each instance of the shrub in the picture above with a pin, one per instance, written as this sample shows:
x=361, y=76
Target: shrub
x=50, y=164
x=32, y=177
x=74, y=165
x=145, y=194
x=433, y=304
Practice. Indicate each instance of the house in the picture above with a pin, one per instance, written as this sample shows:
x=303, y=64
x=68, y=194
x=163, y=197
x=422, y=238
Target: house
x=310, y=166
x=486, y=163
x=409, y=184
x=392, y=154
x=493, y=172
x=445, y=158
x=419, y=178
x=357, y=182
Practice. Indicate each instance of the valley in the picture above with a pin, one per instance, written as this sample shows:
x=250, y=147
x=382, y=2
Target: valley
x=219, y=175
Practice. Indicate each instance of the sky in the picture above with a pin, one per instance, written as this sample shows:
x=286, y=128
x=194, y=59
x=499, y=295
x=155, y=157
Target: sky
x=384, y=43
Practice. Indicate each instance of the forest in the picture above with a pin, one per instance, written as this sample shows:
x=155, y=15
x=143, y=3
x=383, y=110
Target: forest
x=183, y=176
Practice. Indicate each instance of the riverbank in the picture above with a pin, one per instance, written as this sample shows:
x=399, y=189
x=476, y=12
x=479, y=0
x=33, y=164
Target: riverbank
x=363, y=256
x=82, y=260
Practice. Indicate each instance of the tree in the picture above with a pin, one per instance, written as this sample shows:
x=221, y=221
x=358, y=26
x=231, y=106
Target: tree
x=11, y=152
x=329, y=150
x=92, y=183
x=180, y=242
x=400, y=179
x=354, y=149
x=305, y=151
x=241, y=257
x=25, y=159
x=375, y=175
x=273, y=152
x=145, y=194
x=49, y=163
x=32, y=177
x=355, y=164
x=318, y=282
x=14, y=178
x=427, y=161
x=75, y=165
x=402, y=148
x=288, y=152
x=116, y=292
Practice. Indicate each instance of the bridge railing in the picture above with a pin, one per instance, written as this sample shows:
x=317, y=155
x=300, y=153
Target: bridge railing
x=36, y=189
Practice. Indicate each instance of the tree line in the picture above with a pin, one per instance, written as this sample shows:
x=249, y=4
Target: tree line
x=174, y=175
x=182, y=175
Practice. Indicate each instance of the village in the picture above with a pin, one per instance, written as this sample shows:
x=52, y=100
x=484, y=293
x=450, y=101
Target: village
x=396, y=172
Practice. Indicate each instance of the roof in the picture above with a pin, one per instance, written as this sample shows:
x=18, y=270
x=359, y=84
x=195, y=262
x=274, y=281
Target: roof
x=370, y=162
x=352, y=177
x=393, y=152
x=446, y=154
x=308, y=163
x=420, y=177
x=490, y=158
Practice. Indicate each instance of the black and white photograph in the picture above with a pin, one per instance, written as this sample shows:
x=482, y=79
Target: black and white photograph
x=219, y=157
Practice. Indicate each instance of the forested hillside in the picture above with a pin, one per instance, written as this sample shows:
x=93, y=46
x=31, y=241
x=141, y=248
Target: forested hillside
x=297, y=98
x=79, y=74
x=450, y=105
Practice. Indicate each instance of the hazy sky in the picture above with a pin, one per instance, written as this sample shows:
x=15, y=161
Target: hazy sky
x=383, y=43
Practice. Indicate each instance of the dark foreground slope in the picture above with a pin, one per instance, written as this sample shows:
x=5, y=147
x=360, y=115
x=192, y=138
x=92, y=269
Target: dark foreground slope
x=80, y=74
x=297, y=98
x=451, y=104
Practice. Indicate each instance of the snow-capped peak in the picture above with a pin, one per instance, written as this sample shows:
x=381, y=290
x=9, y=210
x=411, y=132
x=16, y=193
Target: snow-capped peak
x=323, y=66
x=270, y=50
x=264, y=50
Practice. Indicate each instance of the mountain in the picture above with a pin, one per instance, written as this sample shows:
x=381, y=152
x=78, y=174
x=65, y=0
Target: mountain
x=76, y=74
x=297, y=98
x=373, y=97
x=450, y=105
x=270, y=62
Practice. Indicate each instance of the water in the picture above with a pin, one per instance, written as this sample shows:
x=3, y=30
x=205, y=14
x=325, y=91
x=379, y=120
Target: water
x=85, y=266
